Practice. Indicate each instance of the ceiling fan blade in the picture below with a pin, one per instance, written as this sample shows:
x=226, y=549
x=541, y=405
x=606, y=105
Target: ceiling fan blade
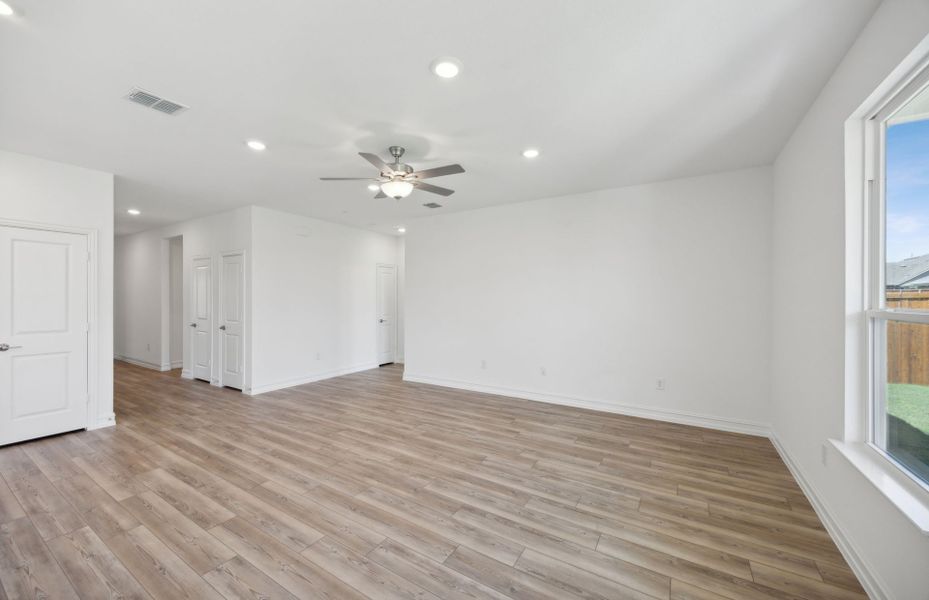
x=375, y=160
x=380, y=194
x=428, y=187
x=347, y=179
x=437, y=172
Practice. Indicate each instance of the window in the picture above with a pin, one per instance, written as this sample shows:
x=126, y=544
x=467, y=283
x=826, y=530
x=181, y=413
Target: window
x=898, y=184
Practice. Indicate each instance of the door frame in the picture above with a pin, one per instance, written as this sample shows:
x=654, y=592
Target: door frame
x=188, y=312
x=396, y=302
x=219, y=308
x=93, y=420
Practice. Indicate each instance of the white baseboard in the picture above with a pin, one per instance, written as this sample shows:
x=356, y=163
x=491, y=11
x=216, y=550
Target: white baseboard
x=177, y=364
x=143, y=363
x=875, y=589
x=279, y=385
x=186, y=374
x=658, y=414
x=104, y=421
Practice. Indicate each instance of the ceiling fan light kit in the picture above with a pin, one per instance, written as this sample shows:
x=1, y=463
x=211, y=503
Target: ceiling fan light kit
x=398, y=180
x=397, y=188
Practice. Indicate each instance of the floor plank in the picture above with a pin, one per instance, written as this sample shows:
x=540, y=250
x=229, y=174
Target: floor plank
x=161, y=571
x=237, y=579
x=430, y=575
x=195, y=546
x=10, y=508
x=93, y=569
x=292, y=571
x=362, y=574
x=27, y=567
x=100, y=511
x=51, y=514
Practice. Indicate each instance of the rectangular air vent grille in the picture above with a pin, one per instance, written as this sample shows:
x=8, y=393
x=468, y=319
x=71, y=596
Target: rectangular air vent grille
x=154, y=102
x=168, y=107
x=432, y=205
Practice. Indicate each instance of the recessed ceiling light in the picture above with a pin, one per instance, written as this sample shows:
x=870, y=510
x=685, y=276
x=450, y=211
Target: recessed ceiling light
x=374, y=187
x=5, y=9
x=530, y=153
x=401, y=229
x=256, y=145
x=135, y=212
x=446, y=67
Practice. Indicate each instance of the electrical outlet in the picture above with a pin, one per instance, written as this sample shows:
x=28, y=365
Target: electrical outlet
x=660, y=384
x=483, y=364
x=543, y=371
x=318, y=356
x=148, y=347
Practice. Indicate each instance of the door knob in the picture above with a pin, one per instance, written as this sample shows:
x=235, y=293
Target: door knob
x=380, y=320
x=222, y=328
x=193, y=324
x=5, y=347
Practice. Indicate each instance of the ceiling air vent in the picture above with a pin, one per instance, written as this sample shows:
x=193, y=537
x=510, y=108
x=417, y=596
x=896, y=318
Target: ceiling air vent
x=432, y=205
x=154, y=102
x=168, y=107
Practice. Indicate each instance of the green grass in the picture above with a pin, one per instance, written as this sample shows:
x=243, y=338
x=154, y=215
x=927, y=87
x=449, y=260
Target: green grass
x=908, y=426
x=909, y=403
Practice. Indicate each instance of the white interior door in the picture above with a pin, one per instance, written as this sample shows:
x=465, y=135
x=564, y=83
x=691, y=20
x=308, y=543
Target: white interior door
x=43, y=333
x=386, y=313
x=231, y=320
x=201, y=335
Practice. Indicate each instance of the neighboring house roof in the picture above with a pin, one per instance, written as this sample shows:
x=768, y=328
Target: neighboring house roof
x=910, y=272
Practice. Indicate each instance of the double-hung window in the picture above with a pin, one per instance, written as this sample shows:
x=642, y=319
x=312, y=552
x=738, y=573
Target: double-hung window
x=897, y=281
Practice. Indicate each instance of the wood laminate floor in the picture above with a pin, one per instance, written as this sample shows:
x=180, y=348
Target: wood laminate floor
x=366, y=486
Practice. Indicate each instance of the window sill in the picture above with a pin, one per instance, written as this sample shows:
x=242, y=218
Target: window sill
x=904, y=493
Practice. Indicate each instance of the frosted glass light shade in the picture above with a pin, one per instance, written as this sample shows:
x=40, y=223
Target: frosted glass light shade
x=397, y=189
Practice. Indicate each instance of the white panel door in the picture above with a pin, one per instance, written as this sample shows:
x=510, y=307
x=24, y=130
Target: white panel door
x=201, y=335
x=231, y=325
x=386, y=313
x=43, y=333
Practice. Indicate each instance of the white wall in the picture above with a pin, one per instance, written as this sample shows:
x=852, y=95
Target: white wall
x=176, y=302
x=808, y=377
x=401, y=299
x=314, y=298
x=142, y=284
x=40, y=191
x=607, y=292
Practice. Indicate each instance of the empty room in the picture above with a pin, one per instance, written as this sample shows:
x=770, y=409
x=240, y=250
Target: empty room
x=509, y=300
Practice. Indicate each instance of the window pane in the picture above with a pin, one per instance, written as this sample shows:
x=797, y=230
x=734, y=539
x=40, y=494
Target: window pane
x=903, y=428
x=907, y=205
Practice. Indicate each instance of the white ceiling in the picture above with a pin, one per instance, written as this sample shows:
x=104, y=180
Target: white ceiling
x=613, y=92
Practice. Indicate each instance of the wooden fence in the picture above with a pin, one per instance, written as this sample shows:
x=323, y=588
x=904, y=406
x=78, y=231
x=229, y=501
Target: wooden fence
x=908, y=343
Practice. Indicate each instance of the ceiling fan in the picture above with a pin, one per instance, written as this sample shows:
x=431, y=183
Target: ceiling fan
x=398, y=180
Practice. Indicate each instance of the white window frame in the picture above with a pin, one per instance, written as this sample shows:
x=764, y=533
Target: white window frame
x=878, y=314
x=866, y=312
